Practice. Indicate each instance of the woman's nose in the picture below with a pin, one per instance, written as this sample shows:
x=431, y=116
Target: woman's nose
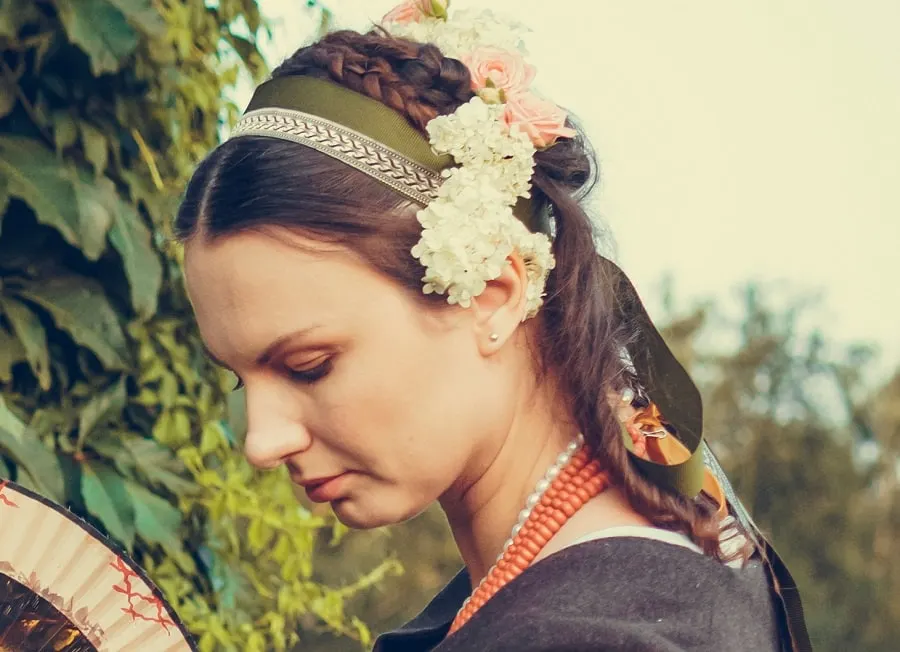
x=273, y=435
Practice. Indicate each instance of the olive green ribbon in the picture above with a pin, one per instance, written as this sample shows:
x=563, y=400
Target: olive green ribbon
x=371, y=118
x=667, y=384
x=350, y=109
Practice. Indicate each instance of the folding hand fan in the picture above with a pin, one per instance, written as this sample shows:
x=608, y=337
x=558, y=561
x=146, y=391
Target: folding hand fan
x=63, y=587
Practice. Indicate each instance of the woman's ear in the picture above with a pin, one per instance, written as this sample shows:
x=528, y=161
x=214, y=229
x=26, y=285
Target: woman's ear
x=501, y=307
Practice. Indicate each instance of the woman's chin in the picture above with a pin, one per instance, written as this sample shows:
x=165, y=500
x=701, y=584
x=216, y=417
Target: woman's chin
x=359, y=516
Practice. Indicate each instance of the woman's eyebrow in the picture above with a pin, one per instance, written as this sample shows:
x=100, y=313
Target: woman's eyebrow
x=271, y=350
x=276, y=347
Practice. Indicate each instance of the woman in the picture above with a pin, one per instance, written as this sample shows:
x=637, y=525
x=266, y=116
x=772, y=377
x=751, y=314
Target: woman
x=390, y=253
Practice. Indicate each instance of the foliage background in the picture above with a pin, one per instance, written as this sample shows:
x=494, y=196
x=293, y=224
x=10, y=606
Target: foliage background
x=108, y=405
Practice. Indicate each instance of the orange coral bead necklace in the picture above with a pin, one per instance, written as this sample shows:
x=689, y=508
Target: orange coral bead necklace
x=571, y=482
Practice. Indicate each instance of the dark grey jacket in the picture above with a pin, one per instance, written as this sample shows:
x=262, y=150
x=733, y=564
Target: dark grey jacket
x=623, y=593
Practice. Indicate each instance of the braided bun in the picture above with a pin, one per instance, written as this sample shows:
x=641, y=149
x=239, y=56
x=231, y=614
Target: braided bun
x=420, y=83
x=414, y=79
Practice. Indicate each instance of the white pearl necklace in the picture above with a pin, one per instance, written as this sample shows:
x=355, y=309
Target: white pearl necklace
x=533, y=499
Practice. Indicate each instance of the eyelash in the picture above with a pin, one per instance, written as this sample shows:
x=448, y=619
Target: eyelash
x=306, y=376
x=315, y=374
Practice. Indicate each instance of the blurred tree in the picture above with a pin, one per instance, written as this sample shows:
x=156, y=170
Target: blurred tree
x=107, y=402
x=791, y=425
x=881, y=412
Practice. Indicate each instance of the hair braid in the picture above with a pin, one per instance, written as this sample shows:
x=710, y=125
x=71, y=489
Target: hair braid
x=579, y=316
x=414, y=79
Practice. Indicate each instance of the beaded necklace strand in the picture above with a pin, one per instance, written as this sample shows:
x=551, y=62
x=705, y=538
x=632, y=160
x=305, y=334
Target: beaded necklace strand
x=571, y=482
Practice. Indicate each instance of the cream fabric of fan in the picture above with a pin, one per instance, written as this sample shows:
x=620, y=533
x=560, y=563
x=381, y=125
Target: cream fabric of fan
x=99, y=591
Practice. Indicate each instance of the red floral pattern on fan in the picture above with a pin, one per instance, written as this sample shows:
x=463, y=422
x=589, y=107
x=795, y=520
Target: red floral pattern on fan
x=135, y=597
x=3, y=499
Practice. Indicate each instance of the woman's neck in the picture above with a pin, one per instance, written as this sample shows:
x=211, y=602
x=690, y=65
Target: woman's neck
x=483, y=507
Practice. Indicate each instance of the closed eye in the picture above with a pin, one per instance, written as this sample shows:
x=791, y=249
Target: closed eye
x=312, y=374
x=306, y=376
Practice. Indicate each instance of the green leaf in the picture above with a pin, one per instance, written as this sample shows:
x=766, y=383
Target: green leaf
x=97, y=203
x=132, y=239
x=156, y=519
x=7, y=96
x=210, y=438
x=106, y=497
x=143, y=15
x=65, y=131
x=28, y=328
x=32, y=456
x=16, y=13
x=101, y=30
x=77, y=205
x=79, y=307
x=47, y=422
x=103, y=405
x=157, y=464
x=248, y=53
x=36, y=176
x=11, y=352
x=96, y=147
x=4, y=199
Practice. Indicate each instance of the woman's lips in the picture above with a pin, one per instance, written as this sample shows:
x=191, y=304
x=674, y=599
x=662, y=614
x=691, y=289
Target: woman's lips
x=325, y=490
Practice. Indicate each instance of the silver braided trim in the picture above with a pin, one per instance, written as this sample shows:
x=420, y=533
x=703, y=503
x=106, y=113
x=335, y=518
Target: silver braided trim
x=388, y=166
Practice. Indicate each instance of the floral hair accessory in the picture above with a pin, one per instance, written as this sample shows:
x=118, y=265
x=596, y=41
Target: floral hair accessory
x=413, y=11
x=543, y=121
x=506, y=71
x=457, y=35
x=469, y=230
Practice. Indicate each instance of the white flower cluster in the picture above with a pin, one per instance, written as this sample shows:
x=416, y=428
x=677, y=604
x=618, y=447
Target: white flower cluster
x=469, y=230
x=465, y=32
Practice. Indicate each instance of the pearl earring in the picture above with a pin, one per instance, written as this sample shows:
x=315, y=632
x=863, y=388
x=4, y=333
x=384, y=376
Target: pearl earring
x=627, y=395
x=494, y=337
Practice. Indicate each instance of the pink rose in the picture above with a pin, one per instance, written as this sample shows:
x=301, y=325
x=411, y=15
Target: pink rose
x=495, y=68
x=413, y=11
x=543, y=121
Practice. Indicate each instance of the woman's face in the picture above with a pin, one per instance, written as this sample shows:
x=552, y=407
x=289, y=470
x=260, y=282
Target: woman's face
x=346, y=375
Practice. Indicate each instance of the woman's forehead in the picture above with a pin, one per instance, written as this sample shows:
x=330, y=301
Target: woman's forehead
x=259, y=282
x=260, y=264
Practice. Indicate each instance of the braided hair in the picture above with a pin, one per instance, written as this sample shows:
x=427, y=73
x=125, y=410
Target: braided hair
x=415, y=80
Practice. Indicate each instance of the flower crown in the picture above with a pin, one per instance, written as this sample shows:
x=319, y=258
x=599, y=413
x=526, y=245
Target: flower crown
x=469, y=229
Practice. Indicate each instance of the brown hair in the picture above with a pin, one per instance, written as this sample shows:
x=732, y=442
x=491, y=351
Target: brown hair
x=251, y=183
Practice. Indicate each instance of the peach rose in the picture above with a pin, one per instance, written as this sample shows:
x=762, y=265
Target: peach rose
x=496, y=68
x=543, y=121
x=412, y=11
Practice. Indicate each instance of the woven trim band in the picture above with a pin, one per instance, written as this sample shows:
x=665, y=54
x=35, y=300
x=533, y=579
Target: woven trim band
x=357, y=150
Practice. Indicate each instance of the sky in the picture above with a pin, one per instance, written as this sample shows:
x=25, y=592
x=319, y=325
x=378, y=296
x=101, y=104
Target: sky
x=738, y=141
